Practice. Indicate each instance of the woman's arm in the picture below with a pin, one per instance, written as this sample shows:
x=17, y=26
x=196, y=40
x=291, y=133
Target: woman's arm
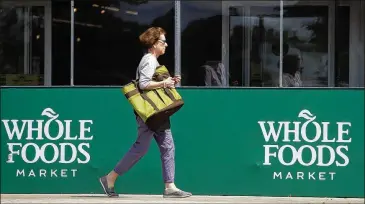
x=146, y=72
x=154, y=85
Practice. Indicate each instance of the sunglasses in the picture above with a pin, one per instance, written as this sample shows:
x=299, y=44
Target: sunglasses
x=163, y=41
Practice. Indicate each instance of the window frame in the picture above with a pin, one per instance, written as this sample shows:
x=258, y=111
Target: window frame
x=47, y=33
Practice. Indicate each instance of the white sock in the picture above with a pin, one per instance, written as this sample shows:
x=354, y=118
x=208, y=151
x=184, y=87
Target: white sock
x=172, y=189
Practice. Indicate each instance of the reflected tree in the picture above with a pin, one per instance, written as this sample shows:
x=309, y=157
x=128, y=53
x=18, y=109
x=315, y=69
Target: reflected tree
x=317, y=42
x=318, y=27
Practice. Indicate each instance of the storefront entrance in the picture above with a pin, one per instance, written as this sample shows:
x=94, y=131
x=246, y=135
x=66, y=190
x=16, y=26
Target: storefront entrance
x=25, y=43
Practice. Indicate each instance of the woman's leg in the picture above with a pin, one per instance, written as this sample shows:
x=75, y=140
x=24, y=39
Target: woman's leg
x=166, y=145
x=135, y=153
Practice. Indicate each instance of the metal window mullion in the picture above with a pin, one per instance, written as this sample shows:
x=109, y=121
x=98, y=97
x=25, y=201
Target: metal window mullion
x=355, y=56
x=362, y=46
x=331, y=44
x=177, y=68
x=225, y=38
x=72, y=37
x=48, y=44
x=281, y=42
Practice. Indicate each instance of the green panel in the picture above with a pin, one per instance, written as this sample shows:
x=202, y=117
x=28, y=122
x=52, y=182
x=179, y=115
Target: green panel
x=220, y=145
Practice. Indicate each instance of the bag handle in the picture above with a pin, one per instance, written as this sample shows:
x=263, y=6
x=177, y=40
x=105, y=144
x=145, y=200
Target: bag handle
x=145, y=97
x=143, y=94
x=168, y=92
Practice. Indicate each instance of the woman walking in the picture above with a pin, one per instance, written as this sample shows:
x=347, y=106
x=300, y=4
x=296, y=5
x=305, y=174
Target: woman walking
x=155, y=42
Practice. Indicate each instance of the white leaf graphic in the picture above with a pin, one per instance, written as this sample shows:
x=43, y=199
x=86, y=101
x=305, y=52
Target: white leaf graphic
x=49, y=113
x=306, y=114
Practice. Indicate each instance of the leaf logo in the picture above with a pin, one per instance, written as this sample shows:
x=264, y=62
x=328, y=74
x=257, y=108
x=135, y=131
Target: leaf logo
x=306, y=114
x=50, y=113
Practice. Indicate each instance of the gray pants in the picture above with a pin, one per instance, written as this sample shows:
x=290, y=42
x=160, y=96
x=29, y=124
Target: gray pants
x=165, y=143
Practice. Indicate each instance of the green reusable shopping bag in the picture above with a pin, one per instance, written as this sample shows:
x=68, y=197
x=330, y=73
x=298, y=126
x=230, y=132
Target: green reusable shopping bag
x=154, y=106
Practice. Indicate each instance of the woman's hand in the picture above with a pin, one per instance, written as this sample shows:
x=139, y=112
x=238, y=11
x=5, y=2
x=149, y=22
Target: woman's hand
x=177, y=79
x=169, y=83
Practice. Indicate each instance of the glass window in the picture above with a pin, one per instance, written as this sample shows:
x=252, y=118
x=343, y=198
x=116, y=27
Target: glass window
x=223, y=43
x=201, y=43
x=236, y=53
x=260, y=31
x=61, y=42
x=306, y=55
x=342, y=46
x=251, y=31
x=107, y=49
x=21, y=44
x=245, y=49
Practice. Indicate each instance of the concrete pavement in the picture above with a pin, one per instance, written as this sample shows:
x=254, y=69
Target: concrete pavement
x=98, y=198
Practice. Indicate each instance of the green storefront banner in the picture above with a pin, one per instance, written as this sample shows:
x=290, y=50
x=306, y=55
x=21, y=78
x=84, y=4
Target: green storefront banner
x=254, y=142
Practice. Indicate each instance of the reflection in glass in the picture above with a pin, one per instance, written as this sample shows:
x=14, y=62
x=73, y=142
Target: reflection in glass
x=306, y=37
x=264, y=38
x=252, y=60
x=21, y=45
x=342, y=43
x=61, y=43
x=236, y=46
x=107, y=49
x=201, y=44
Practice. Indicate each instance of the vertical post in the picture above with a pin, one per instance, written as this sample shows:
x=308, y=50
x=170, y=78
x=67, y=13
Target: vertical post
x=177, y=40
x=336, y=72
x=362, y=46
x=225, y=38
x=27, y=33
x=48, y=44
x=281, y=42
x=331, y=45
x=72, y=42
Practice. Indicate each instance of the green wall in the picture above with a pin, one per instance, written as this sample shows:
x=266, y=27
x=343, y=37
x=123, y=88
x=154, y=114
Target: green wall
x=220, y=146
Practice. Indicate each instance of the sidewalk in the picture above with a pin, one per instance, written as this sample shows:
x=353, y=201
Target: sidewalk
x=98, y=198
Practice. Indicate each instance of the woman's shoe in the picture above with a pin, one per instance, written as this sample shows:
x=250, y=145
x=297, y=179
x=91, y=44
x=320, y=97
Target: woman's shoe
x=108, y=191
x=173, y=193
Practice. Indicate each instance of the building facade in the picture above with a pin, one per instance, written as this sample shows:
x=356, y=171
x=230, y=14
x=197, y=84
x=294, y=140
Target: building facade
x=246, y=136
x=210, y=43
